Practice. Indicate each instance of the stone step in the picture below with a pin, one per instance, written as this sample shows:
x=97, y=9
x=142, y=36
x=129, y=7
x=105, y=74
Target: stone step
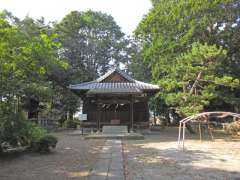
x=125, y=136
x=114, y=129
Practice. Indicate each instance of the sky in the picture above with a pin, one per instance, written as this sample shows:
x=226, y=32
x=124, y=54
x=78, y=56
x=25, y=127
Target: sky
x=127, y=13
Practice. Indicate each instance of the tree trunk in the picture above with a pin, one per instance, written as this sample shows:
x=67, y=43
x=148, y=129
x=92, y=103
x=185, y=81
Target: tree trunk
x=194, y=86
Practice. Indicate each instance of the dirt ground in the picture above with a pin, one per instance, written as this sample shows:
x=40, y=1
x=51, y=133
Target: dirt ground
x=72, y=159
x=157, y=157
x=154, y=158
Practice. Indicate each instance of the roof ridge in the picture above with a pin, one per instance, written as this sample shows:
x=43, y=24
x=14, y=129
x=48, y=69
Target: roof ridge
x=110, y=72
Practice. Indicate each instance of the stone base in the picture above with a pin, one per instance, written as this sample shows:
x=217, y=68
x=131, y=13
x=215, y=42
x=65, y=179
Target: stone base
x=114, y=129
x=124, y=136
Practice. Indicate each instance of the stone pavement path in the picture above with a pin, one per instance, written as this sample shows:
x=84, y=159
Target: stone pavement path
x=109, y=165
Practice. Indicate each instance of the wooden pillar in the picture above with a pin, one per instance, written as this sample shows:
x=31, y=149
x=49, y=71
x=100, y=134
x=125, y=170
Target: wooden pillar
x=200, y=131
x=131, y=112
x=210, y=129
x=98, y=115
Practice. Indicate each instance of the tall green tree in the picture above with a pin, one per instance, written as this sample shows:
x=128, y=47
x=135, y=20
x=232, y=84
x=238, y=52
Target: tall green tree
x=92, y=42
x=50, y=92
x=175, y=30
x=193, y=82
x=29, y=59
x=138, y=68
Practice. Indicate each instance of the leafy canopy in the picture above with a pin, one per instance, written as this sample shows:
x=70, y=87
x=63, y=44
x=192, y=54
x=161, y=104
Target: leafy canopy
x=192, y=49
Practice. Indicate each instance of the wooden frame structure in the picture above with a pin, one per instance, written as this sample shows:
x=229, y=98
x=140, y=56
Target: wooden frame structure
x=201, y=117
x=115, y=99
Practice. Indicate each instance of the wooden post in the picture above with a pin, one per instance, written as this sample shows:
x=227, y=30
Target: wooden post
x=131, y=112
x=200, y=132
x=184, y=127
x=179, y=133
x=210, y=130
x=98, y=115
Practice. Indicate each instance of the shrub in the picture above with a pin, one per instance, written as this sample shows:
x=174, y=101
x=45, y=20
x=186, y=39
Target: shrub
x=14, y=129
x=36, y=132
x=17, y=131
x=44, y=144
x=71, y=123
x=233, y=128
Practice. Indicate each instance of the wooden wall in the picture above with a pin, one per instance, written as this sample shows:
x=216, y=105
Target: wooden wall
x=108, y=112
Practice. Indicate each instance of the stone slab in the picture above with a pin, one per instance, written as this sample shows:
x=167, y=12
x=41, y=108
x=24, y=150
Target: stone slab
x=114, y=129
x=109, y=164
x=125, y=136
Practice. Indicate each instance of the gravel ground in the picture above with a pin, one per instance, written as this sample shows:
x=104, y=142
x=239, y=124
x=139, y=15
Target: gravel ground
x=72, y=159
x=154, y=158
x=157, y=157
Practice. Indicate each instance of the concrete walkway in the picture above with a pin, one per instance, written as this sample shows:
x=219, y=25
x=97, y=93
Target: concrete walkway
x=109, y=165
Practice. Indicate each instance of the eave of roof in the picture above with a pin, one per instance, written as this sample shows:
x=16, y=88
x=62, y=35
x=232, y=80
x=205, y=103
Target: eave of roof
x=99, y=86
x=115, y=91
x=94, y=85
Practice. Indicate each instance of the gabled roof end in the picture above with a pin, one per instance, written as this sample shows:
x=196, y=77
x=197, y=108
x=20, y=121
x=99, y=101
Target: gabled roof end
x=110, y=72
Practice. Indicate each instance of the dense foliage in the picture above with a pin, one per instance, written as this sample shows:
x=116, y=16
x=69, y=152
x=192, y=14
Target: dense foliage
x=92, y=42
x=192, y=49
x=16, y=132
x=38, y=61
x=233, y=128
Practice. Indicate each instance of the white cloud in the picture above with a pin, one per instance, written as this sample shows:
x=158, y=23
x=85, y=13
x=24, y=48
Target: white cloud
x=127, y=13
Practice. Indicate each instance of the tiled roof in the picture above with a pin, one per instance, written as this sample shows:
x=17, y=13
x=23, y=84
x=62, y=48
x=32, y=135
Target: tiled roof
x=131, y=86
x=100, y=79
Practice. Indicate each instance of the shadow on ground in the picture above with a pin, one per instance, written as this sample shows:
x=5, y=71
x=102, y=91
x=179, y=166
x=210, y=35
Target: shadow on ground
x=157, y=157
x=72, y=159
